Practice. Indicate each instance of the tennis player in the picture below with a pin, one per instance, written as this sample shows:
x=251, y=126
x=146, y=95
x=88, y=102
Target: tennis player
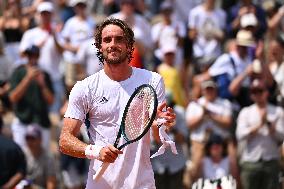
x=103, y=97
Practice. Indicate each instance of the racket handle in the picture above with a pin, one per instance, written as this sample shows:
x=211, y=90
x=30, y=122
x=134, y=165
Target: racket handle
x=100, y=171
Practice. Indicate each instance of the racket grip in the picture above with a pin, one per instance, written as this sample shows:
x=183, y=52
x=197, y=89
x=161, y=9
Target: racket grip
x=100, y=171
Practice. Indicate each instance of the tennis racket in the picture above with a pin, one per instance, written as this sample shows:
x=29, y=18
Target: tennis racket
x=138, y=116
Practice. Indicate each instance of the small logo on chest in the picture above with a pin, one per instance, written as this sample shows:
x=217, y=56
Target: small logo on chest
x=103, y=100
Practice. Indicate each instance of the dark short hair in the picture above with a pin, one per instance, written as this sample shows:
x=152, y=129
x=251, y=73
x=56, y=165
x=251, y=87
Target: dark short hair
x=32, y=50
x=128, y=33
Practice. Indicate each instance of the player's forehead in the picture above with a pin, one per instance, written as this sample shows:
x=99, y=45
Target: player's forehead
x=112, y=31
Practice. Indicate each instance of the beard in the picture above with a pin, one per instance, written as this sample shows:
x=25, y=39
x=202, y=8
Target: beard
x=114, y=60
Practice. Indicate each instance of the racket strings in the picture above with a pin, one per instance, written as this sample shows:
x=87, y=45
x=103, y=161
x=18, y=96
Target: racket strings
x=139, y=114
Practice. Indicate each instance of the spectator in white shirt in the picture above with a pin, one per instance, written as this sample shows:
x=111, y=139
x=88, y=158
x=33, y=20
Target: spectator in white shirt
x=260, y=128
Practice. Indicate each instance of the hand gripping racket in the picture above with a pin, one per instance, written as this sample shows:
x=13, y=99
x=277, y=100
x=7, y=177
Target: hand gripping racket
x=138, y=116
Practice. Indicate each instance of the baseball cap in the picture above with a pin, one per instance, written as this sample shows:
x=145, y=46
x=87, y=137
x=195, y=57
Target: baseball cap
x=73, y=3
x=248, y=20
x=32, y=50
x=45, y=7
x=166, y=5
x=168, y=49
x=245, y=38
x=208, y=83
x=33, y=131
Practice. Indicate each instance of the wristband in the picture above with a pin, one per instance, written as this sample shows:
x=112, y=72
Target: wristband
x=93, y=151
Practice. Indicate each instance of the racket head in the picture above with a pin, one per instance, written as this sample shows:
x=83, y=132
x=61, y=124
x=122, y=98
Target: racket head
x=139, y=113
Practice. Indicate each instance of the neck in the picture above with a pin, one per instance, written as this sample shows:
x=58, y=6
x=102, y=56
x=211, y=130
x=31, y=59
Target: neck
x=209, y=6
x=118, y=72
x=261, y=104
x=216, y=159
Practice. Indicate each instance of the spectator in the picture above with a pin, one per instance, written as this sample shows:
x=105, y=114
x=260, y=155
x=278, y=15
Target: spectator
x=6, y=69
x=206, y=29
x=230, y=65
x=209, y=114
x=13, y=24
x=171, y=75
x=276, y=66
x=12, y=163
x=261, y=135
x=45, y=37
x=87, y=57
x=141, y=29
x=239, y=86
x=64, y=11
x=215, y=164
x=274, y=13
x=249, y=22
x=169, y=168
x=168, y=29
x=31, y=93
x=237, y=11
x=40, y=165
x=76, y=30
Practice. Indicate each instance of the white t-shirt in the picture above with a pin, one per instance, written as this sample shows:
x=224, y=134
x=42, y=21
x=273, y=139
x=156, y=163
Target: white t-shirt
x=162, y=34
x=219, y=106
x=77, y=31
x=224, y=65
x=104, y=100
x=213, y=170
x=50, y=57
x=206, y=23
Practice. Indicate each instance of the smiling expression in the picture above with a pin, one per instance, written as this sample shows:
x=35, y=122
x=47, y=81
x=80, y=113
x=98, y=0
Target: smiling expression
x=114, y=45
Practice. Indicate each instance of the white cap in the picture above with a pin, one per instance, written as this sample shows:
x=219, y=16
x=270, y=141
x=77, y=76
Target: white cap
x=73, y=3
x=45, y=6
x=245, y=38
x=248, y=20
x=169, y=46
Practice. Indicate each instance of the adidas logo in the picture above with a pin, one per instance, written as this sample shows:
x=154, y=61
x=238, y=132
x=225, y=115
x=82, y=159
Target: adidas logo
x=103, y=100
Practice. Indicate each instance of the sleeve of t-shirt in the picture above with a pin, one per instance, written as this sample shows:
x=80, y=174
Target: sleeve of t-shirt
x=219, y=66
x=193, y=109
x=25, y=42
x=191, y=20
x=66, y=30
x=78, y=102
x=161, y=95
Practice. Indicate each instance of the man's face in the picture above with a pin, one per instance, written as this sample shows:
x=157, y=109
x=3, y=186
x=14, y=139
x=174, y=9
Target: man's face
x=276, y=52
x=114, y=45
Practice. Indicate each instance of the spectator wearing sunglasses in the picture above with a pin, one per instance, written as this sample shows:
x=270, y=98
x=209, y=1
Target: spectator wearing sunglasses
x=260, y=128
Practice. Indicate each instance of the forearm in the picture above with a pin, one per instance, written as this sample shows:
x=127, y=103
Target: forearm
x=237, y=83
x=72, y=146
x=13, y=181
x=20, y=90
x=47, y=94
x=222, y=121
x=68, y=142
x=194, y=122
x=51, y=182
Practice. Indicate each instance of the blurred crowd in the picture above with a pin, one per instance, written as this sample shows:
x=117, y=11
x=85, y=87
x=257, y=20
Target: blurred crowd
x=223, y=66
